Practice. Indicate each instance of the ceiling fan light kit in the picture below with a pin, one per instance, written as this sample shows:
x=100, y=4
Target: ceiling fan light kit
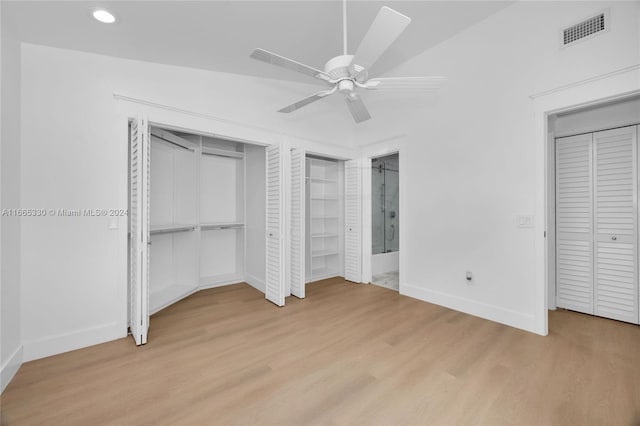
x=347, y=73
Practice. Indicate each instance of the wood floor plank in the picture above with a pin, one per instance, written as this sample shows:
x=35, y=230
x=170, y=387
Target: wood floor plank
x=347, y=354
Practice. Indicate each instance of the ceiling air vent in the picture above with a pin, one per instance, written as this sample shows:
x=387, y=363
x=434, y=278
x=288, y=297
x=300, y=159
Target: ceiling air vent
x=587, y=28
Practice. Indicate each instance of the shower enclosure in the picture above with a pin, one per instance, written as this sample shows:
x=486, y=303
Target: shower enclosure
x=384, y=204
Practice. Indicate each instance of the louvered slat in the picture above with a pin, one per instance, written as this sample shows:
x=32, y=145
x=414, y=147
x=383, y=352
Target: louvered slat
x=297, y=238
x=616, y=275
x=145, y=226
x=353, y=213
x=574, y=223
x=134, y=229
x=138, y=223
x=274, y=290
x=574, y=269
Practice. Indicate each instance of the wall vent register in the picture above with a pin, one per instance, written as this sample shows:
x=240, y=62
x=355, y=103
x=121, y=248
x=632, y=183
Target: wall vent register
x=584, y=29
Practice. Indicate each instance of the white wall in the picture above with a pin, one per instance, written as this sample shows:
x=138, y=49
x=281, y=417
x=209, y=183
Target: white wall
x=471, y=162
x=74, y=156
x=10, y=341
x=255, y=223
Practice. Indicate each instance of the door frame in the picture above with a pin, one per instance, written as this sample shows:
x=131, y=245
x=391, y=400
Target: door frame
x=599, y=90
x=394, y=145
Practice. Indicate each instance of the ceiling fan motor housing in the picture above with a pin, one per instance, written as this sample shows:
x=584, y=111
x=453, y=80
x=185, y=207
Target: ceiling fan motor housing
x=338, y=70
x=338, y=66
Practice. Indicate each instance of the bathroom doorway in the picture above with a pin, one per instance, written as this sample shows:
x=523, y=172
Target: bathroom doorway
x=385, y=231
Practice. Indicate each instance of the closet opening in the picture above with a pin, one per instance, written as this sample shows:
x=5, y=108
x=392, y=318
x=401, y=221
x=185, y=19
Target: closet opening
x=385, y=221
x=592, y=215
x=197, y=217
x=324, y=219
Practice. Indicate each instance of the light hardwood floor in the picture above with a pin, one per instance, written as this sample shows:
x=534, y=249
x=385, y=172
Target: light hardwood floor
x=347, y=354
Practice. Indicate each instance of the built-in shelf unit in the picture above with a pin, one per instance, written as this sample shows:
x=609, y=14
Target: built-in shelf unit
x=324, y=218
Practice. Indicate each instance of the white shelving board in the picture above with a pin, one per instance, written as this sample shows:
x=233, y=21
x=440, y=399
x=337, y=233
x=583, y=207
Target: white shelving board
x=322, y=180
x=221, y=225
x=323, y=219
x=319, y=253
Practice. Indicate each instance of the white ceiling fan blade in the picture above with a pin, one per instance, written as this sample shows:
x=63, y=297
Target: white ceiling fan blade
x=384, y=30
x=414, y=84
x=281, y=61
x=358, y=109
x=308, y=100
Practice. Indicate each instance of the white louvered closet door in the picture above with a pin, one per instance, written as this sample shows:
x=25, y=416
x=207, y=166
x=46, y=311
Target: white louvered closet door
x=297, y=226
x=616, y=224
x=353, y=222
x=574, y=223
x=139, y=228
x=275, y=277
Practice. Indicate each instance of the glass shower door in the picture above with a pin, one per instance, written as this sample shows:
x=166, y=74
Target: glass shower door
x=391, y=224
x=384, y=205
x=377, y=211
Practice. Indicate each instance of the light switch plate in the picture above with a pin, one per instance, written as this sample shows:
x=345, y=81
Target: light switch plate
x=525, y=221
x=112, y=222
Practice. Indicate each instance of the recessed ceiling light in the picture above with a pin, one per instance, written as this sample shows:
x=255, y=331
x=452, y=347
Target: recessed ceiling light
x=104, y=16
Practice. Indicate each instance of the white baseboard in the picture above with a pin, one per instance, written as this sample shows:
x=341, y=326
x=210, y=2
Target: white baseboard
x=220, y=284
x=483, y=310
x=10, y=368
x=255, y=282
x=54, y=345
x=220, y=281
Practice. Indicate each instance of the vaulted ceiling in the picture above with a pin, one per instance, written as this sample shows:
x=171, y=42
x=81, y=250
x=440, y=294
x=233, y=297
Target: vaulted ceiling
x=219, y=35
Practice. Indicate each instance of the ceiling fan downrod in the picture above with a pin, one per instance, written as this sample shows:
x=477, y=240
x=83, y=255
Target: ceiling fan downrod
x=344, y=28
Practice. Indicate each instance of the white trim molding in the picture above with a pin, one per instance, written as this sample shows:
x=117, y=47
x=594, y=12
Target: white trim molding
x=472, y=307
x=10, y=368
x=586, y=81
x=223, y=122
x=53, y=345
x=255, y=282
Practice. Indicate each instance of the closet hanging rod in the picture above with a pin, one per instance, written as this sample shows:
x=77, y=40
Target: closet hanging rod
x=222, y=153
x=169, y=137
x=172, y=143
x=172, y=229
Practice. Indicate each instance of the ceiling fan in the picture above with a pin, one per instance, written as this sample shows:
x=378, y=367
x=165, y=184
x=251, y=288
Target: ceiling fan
x=347, y=73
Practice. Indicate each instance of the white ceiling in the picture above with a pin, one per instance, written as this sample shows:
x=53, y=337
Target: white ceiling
x=219, y=35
